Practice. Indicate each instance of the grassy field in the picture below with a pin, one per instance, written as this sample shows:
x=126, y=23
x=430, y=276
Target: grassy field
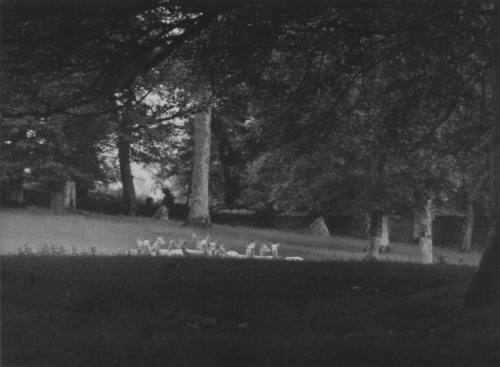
x=109, y=234
x=145, y=311
x=122, y=311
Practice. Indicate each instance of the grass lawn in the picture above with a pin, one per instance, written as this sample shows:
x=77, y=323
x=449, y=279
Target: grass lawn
x=142, y=311
x=127, y=311
x=110, y=234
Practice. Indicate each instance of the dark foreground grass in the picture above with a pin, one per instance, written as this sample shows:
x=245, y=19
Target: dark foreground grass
x=119, y=311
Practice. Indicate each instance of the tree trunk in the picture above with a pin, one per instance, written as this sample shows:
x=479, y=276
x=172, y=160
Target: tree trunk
x=199, y=201
x=62, y=196
x=424, y=230
x=468, y=228
x=128, y=189
x=17, y=193
x=366, y=224
x=57, y=198
x=228, y=160
x=231, y=185
x=470, y=213
x=484, y=288
x=1, y=157
x=384, y=240
x=70, y=195
x=375, y=234
x=416, y=227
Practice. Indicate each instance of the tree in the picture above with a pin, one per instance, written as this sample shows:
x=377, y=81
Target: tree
x=344, y=95
x=484, y=288
x=101, y=51
x=53, y=150
x=124, y=142
x=199, y=215
x=212, y=64
x=389, y=139
x=425, y=215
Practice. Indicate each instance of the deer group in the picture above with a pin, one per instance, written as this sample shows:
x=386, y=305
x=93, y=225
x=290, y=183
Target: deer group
x=206, y=248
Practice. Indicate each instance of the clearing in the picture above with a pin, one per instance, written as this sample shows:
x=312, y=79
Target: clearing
x=110, y=234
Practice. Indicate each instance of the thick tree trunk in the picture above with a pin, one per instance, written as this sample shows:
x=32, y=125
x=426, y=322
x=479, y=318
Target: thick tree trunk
x=425, y=218
x=485, y=286
x=199, y=200
x=128, y=189
x=375, y=234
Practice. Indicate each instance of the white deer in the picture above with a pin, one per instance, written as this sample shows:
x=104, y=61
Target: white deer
x=274, y=250
x=294, y=258
x=275, y=246
x=264, y=249
x=172, y=250
x=201, y=246
x=143, y=248
x=249, y=252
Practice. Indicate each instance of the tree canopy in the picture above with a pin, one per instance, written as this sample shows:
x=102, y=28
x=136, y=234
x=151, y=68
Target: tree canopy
x=326, y=107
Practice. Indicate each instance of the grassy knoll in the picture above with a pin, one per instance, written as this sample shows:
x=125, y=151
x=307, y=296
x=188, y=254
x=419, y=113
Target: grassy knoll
x=113, y=233
x=121, y=311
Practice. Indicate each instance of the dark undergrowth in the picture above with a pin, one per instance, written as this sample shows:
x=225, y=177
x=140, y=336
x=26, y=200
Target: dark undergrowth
x=121, y=311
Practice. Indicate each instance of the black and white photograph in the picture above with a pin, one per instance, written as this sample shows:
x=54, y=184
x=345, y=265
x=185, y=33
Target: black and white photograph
x=226, y=183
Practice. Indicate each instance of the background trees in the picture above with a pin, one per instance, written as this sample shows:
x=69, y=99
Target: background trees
x=370, y=119
x=338, y=107
x=80, y=56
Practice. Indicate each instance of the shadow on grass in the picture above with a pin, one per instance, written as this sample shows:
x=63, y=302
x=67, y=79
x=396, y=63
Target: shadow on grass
x=121, y=311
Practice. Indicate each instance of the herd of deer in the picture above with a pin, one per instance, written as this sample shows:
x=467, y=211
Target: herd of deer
x=206, y=248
